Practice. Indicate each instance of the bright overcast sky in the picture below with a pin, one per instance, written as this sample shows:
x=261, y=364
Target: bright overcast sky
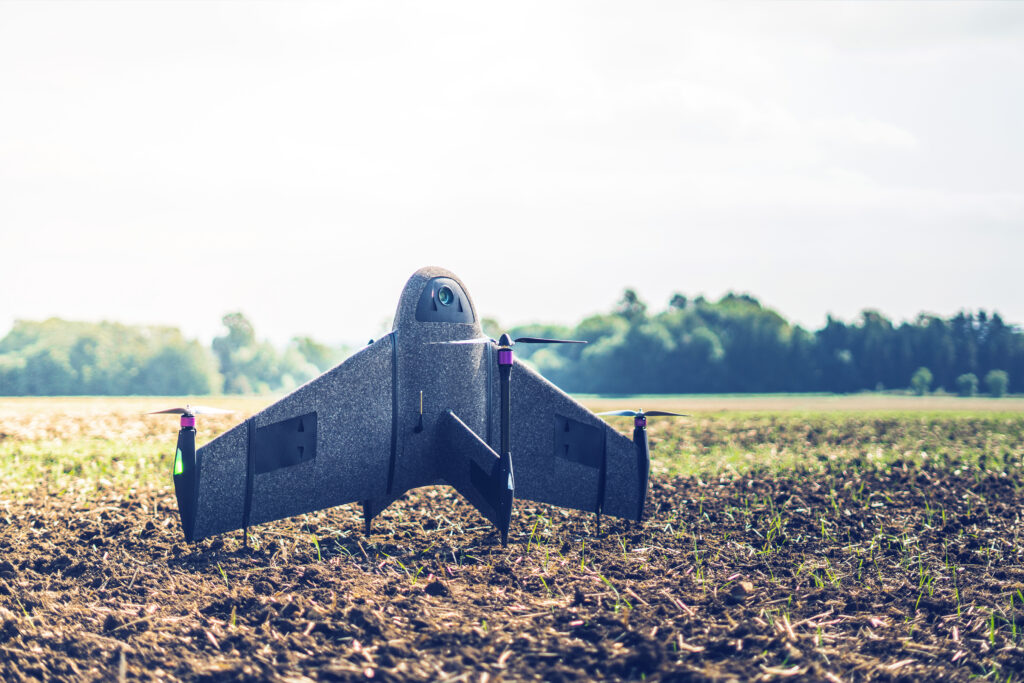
x=168, y=163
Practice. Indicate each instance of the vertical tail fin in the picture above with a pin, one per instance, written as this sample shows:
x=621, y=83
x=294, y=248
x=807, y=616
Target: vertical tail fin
x=478, y=473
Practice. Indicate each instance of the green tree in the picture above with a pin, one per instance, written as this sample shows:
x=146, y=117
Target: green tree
x=183, y=369
x=967, y=384
x=491, y=327
x=997, y=382
x=55, y=357
x=48, y=373
x=250, y=366
x=12, y=375
x=631, y=307
x=835, y=359
x=322, y=357
x=597, y=327
x=237, y=353
x=921, y=382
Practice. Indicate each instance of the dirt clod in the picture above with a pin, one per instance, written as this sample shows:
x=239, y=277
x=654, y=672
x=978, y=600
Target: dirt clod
x=436, y=588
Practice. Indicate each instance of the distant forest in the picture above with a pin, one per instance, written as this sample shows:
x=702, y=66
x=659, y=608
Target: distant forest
x=733, y=345
x=64, y=358
x=736, y=345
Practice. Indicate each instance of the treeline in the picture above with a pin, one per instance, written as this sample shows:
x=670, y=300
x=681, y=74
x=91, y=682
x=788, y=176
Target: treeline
x=64, y=358
x=694, y=346
x=737, y=345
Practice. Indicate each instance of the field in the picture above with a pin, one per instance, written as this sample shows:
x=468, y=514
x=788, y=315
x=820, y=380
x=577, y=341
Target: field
x=787, y=538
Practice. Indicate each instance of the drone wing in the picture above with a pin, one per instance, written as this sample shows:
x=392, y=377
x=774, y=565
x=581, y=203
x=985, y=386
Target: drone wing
x=565, y=455
x=326, y=443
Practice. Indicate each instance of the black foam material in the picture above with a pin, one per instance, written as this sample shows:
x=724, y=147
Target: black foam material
x=578, y=442
x=286, y=443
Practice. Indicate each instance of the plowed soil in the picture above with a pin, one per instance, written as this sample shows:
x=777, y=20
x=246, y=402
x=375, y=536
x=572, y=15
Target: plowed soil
x=910, y=570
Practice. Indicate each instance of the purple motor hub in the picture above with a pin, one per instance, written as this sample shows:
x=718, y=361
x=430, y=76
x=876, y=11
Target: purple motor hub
x=504, y=356
x=188, y=421
x=640, y=421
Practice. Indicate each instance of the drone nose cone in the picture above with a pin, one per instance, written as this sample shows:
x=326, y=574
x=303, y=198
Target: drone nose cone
x=437, y=297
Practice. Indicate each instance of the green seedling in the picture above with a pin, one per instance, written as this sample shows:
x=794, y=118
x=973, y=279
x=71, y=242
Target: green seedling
x=533, y=532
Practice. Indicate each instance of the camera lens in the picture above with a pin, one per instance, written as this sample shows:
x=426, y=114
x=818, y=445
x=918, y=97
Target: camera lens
x=445, y=295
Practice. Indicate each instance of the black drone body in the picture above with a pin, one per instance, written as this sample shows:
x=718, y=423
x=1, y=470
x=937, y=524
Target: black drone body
x=433, y=402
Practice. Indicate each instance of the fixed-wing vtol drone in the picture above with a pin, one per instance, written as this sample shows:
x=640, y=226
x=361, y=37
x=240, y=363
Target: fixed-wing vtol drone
x=433, y=402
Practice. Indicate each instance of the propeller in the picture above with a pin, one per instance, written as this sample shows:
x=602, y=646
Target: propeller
x=191, y=410
x=640, y=413
x=506, y=340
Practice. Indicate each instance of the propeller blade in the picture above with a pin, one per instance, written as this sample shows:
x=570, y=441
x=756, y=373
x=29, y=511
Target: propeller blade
x=649, y=413
x=524, y=340
x=206, y=410
x=192, y=410
x=475, y=340
x=539, y=340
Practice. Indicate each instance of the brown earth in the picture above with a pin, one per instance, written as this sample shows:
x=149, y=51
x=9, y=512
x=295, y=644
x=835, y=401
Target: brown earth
x=844, y=573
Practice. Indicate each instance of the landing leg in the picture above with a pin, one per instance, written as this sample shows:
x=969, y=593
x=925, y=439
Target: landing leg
x=367, y=517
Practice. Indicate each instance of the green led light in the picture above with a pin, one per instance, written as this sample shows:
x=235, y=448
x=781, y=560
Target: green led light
x=179, y=465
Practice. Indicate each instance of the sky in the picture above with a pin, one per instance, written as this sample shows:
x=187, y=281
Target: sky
x=166, y=163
